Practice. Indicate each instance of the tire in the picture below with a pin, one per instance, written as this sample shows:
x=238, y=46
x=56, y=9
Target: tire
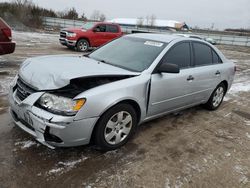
x=111, y=133
x=216, y=97
x=82, y=45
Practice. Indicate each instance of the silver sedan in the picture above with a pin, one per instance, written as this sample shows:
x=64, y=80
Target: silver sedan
x=69, y=100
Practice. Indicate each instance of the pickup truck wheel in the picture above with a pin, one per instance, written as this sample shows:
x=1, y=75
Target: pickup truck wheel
x=115, y=127
x=82, y=45
x=216, y=98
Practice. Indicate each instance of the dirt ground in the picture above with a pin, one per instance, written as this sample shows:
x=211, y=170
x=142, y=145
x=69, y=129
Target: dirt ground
x=194, y=148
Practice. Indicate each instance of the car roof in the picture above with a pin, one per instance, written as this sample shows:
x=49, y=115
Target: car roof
x=157, y=37
x=108, y=23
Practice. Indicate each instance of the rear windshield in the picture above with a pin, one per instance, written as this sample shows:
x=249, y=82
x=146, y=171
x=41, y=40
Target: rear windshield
x=135, y=54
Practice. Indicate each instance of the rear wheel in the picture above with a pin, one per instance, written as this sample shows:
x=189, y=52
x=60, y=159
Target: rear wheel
x=216, y=98
x=82, y=45
x=115, y=127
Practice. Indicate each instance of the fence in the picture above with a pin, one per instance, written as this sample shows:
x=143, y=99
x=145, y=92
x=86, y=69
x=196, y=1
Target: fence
x=61, y=23
x=50, y=22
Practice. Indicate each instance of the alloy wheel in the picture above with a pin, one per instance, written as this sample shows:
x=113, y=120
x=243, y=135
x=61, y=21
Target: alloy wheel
x=218, y=96
x=83, y=46
x=118, y=128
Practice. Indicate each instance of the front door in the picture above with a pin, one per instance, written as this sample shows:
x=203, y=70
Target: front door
x=99, y=35
x=170, y=91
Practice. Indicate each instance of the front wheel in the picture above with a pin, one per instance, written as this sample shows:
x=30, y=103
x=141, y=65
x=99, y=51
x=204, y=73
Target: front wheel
x=115, y=127
x=216, y=98
x=82, y=45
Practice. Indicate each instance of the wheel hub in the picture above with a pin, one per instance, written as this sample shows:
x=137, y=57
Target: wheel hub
x=118, y=128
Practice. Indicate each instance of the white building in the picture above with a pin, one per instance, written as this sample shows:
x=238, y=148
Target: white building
x=157, y=23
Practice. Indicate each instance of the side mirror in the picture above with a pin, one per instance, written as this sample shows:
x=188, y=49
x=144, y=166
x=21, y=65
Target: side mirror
x=168, y=68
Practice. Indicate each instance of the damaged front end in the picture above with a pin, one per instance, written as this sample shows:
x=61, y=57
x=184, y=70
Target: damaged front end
x=49, y=115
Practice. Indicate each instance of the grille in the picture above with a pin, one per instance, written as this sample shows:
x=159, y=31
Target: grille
x=23, y=90
x=63, y=34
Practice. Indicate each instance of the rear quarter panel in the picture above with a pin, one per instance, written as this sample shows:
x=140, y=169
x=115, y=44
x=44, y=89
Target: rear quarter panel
x=228, y=72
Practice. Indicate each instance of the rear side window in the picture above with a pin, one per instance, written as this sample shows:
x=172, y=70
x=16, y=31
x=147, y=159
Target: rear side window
x=203, y=54
x=112, y=29
x=179, y=55
x=216, y=58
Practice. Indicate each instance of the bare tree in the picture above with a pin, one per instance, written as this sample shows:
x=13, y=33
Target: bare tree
x=102, y=18
x=98, y=16
x=22, y=2
x=152, y=20
x=95, y=15
x=71, y=14
x=147, y=20
x=83, y=17
x=140, y=21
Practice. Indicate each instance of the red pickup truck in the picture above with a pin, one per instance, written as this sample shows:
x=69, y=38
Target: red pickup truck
x=6, y=44
x=90, y=35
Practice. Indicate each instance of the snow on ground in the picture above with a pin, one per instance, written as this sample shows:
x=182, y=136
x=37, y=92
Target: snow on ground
x=243, y=171
x=30, y=38
x=5, y=84
x=26, y=144
x=241, y=81
x=241, y=84
x=63, y=167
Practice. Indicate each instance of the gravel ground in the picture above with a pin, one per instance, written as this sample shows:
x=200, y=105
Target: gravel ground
x=193, y=148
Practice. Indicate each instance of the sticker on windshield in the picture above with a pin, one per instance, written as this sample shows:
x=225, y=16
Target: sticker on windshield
x=153, y=43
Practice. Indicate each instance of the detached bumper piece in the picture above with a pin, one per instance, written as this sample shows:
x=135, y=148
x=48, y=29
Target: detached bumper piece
x=50, y=137
x=39, y=135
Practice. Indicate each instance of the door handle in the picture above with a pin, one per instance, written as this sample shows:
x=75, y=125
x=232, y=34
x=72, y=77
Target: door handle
x=190, y=78
x=217, y=73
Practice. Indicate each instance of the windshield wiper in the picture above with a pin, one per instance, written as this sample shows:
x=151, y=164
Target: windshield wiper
x=103, y=61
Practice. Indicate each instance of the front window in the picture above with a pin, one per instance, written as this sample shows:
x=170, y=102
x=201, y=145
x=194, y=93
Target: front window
x=88, y=25
x=135, y=54
x=179, y=55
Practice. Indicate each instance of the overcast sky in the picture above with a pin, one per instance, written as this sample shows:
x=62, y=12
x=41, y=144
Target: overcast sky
x=203, y=13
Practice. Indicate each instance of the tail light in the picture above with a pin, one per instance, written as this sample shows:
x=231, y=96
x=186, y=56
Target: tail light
x=7, y=33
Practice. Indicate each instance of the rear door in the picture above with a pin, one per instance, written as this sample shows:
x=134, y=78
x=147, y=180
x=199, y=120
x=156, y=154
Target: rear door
x=171, y=91
x=112, y=32
x=206, y=71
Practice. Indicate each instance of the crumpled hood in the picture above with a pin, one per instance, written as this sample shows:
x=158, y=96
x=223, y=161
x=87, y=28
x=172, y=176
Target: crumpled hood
x=54, y=72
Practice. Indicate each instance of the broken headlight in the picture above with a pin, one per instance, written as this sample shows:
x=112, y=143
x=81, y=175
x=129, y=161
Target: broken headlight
x=60, y=105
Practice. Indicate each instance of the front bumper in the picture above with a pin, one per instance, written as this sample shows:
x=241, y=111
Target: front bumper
x=67, y=42
x=47, y=128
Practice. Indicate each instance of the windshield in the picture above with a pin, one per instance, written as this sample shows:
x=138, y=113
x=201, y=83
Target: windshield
x=130, y=53
x=88, y=25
